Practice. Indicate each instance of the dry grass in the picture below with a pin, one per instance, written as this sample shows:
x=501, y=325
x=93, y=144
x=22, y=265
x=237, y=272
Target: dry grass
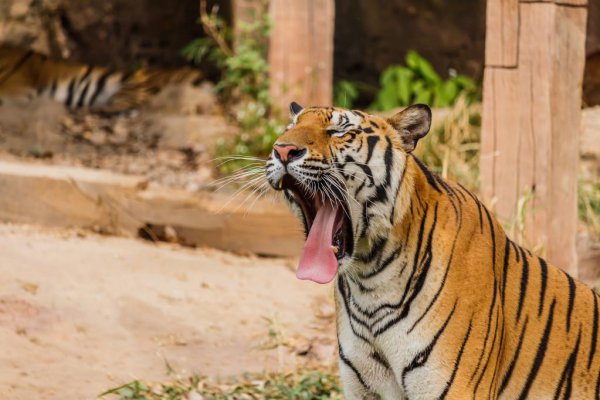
x=589, y=205
x=452, y=148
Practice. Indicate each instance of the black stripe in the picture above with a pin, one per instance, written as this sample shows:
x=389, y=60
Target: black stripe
x=360, y=188
x=83, y=93
x=353, y=368
x=493, y=233
x=594, y=331
x=365, y=219
x=383, y=265
x=443, y=283
x=70, y=93
x=421, y=358
x=342, y=289
x=427, y=174
x=524, y=280
x=99, y=87
x=571, y=300
x=566, y=378
x=374, y=252
x=423, y=267
x=388, y=160
x=380, y=196
x=495, y=374
x=371, y=143
x=541, y=352
x=457, y=362
x=86, y=74
x=494, y=294
x=515, y=358
x=380, y=359
x=459, y=191
x=366, y=169
x=505, y=268
x=476, y=200
x=451, y=196
x=487, y=331
x=544, y=281
x=361, y=287
x=516, y=249
x=489, y=356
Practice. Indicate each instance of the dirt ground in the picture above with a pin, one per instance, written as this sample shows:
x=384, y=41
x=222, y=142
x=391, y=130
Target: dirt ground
x=81, y=313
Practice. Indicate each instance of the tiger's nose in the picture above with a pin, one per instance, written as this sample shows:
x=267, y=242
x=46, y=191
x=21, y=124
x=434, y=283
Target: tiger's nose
x=287, y=153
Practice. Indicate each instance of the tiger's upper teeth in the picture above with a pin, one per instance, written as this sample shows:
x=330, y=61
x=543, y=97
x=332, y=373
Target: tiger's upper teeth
x=335, y=249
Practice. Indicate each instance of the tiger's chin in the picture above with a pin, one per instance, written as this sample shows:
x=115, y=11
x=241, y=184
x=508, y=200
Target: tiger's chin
x=328, y=230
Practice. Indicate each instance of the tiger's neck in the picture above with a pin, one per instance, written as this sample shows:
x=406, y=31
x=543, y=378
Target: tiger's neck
x=400, y=254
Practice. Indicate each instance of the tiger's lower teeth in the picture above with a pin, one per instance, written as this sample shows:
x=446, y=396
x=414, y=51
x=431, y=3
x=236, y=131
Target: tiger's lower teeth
x=335, y=249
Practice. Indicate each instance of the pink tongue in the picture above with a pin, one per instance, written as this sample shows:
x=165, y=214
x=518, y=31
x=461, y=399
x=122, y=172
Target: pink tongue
x=318, y=263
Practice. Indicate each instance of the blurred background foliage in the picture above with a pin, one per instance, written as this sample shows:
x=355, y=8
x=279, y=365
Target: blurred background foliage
x=244, y=83
x=244, y=89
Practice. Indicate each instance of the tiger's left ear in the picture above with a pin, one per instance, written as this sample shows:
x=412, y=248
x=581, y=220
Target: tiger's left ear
x=412, y=124
x=295, y=109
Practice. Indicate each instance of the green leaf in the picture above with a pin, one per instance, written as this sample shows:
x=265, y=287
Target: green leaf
x=404, y=76
x=465, y=82
x=345, y=93
x=422, y=93
x=413, y=60
x=388, y=76
x=386, y=99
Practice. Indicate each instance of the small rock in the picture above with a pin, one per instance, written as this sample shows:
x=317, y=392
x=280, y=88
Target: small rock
x=171, y=234
x=324, y=352
x=326, y=311
x=193, y=395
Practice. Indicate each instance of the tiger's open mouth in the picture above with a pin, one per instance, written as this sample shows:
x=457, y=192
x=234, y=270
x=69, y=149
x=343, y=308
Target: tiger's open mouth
x=328, y=231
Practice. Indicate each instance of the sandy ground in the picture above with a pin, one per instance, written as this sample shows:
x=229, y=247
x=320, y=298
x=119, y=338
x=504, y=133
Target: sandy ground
x=81, y=313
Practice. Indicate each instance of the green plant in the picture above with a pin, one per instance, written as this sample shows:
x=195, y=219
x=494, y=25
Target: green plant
x=345, y=93
x=418, y=82
x=452, y=147
x=244, y=83
x=244, y=68
x=300, y=385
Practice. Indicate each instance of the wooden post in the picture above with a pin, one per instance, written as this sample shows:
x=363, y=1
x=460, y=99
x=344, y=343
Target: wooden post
x=301, y=52
x=535, y=55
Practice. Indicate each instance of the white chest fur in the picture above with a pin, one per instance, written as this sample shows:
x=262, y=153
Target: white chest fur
x=383, y=335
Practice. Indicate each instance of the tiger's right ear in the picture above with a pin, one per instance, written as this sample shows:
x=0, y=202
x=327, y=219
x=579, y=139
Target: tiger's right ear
x=295, y=109
x=412, y=124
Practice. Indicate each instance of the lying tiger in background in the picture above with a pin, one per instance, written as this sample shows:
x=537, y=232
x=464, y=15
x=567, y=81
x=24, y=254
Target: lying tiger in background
x=433, y=299
x=25, y=75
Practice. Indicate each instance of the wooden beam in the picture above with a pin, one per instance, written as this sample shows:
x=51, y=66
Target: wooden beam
x=301, y=52
x=531, y=123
